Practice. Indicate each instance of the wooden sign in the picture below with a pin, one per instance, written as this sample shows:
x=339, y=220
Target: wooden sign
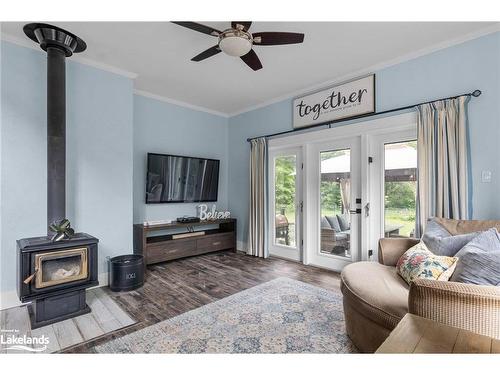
x=343, y=101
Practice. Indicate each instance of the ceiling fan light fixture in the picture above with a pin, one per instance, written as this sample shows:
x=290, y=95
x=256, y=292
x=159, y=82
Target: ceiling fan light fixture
x=235, y=42
x=238, y=42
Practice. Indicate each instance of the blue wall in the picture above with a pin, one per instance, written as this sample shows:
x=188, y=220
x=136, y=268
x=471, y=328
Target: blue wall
x=170, y=129
x=455, y=70
x=99, y=155
x=110, y=130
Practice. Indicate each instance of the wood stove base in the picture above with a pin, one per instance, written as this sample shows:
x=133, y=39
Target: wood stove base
x=49, y=310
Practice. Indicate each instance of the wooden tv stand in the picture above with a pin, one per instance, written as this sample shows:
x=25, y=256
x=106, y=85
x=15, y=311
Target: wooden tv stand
x=162, y=247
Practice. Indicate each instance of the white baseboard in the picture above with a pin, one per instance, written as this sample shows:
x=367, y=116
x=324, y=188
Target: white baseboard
x=103, y=279
x=9, y=298
x=241, y=246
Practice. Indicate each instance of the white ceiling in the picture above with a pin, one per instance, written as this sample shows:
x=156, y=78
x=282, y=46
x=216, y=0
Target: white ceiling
x=160, y=52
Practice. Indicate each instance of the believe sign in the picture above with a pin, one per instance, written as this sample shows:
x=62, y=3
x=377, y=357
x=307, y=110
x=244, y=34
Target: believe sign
x=343, y=101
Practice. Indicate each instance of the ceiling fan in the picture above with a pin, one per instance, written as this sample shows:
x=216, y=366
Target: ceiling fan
x=237, y=41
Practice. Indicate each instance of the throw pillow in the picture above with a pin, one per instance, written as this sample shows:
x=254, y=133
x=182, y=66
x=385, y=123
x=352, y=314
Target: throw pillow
x=479, y=260
x=419, y=262
x=344, y=222
x=334, y=223
x=441, y=242
x=325, y=223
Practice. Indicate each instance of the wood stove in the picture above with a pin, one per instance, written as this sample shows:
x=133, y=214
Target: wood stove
x=54, y=274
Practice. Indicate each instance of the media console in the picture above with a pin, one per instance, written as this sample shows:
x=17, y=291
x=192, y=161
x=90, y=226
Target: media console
x=157, y=247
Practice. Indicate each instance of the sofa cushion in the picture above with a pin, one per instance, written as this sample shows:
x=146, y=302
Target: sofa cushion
x=324, y=223
x=380, y=293
x=344, y=222
x=479, y=260
x=334, y=223
x=441, y=242
x=342, y=236
x=419, y=263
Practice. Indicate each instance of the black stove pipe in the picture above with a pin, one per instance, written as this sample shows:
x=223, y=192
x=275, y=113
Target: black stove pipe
x=56, y=135
x=59, y=44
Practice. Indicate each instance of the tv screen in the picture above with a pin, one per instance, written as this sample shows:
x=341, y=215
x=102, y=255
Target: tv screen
x=176, y=179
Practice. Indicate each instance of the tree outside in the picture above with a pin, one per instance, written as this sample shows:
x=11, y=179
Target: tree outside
x=285, y=185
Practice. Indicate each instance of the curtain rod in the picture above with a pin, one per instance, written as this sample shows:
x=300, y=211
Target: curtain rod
x=475, y=94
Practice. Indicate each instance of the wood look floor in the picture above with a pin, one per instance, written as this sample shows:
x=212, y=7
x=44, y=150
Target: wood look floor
x=172, y=288
x=106, y=317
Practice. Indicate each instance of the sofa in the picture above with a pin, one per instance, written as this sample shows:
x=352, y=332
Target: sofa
x=376, y=298
x=335, y=234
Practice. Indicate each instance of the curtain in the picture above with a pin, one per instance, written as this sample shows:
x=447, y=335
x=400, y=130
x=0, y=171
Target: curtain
x=442, y=184
x=345, y=192
x=257, y=230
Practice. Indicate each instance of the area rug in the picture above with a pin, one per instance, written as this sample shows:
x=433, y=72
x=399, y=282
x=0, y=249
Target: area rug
x=279, y=316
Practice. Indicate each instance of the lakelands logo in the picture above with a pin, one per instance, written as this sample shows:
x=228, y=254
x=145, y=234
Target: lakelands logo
x=11, y=340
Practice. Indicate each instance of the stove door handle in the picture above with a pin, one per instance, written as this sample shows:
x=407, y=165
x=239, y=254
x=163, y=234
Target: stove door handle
x=29, y=278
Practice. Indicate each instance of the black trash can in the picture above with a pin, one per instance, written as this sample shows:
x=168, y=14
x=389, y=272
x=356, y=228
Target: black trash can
x=126, y=272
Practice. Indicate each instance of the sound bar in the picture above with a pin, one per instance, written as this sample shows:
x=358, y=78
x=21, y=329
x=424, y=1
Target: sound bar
x=188, y=219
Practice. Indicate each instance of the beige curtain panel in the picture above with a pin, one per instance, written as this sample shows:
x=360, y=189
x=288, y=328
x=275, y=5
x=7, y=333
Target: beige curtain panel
x=442, y=185
x=257, y=230
x=345, y=193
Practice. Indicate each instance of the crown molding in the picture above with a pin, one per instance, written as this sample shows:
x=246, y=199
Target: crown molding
x=76, y=58
x=179, y=103
x=372, y=69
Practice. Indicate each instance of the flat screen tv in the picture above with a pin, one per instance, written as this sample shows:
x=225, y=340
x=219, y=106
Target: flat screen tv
x=177, y=179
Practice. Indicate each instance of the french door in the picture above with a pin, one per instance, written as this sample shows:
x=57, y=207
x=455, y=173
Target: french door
x=335, y=192
x=334, y=201
x=393, y=185
x=285, y=203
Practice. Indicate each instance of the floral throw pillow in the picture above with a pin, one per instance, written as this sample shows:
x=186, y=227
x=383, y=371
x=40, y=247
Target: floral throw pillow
x=419, y=262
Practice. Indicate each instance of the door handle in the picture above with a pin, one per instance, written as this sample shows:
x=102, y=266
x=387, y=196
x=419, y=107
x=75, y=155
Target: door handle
x=367, y=209
x=356, y=211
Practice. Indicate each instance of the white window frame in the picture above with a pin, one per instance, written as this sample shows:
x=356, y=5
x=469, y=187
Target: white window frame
x=278, y=250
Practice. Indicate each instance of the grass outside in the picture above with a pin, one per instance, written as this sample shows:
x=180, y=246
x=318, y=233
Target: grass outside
x=404, y=217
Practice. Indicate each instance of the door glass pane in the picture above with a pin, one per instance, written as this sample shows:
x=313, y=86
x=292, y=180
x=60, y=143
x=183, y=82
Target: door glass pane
x=400, y=184
x=335, y=192
x=284, y=200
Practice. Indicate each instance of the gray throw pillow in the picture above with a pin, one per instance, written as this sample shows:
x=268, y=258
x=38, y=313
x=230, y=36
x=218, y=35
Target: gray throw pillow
x=441, y=242
x=325, y=223
x=344, y=222
x=479, y=260
x=334, y=223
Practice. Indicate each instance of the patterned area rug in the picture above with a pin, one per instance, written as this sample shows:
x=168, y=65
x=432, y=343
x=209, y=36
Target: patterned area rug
x=280, y=316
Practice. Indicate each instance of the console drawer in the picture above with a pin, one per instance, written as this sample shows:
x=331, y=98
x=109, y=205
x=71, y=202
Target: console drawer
x=162, y=251
x=216, y=242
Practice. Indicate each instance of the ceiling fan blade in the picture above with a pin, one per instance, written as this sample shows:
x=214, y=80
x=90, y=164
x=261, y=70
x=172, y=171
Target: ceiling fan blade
x=207, y=53
x=198, y=27
x=244, y=24
x=252, y=60
x=276, y=38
